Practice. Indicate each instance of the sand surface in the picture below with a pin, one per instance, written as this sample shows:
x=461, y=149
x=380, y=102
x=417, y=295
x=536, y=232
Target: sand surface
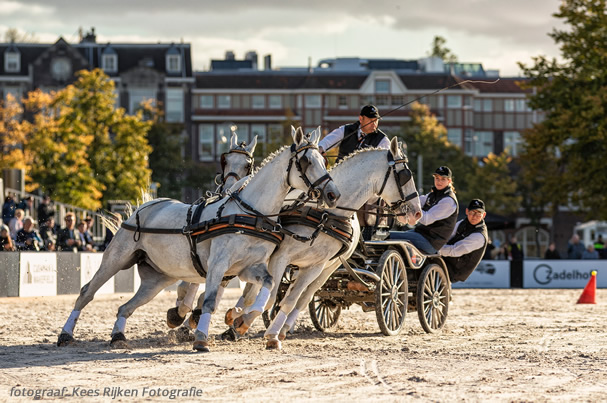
x=497, y=345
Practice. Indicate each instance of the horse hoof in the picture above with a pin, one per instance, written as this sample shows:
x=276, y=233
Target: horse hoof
x=282, y=336
x=194, y=318
x=65, y=339
x=183, y=334
x=173, y=318
x=201, y=346
x=119, y=341
x=229, y=318
x=273, y=344
x=230, y=335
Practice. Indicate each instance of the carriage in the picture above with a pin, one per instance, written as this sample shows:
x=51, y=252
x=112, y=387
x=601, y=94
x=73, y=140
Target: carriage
x=390, y=277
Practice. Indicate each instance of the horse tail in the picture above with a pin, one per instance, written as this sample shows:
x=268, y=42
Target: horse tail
x=111, y=221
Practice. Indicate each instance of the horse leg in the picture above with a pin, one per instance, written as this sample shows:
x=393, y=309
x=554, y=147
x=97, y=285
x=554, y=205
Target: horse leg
x=186, y=292
x=152, y=282
x=305, y=277
x=212, y=296
x=235, y=312
x=258, y=275
x=306, y=297
x=116, y=258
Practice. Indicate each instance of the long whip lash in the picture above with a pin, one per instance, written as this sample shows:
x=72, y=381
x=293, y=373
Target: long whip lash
x=417, y=99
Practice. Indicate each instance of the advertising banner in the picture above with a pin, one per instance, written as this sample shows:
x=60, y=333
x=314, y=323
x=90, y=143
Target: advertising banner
x=563, y=273
x=89, y=264
x=37, y=274
x=488, y=274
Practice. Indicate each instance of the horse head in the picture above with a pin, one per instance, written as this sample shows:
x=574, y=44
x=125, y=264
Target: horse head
x=310, y=172
x=236, y=163
x=399, y=188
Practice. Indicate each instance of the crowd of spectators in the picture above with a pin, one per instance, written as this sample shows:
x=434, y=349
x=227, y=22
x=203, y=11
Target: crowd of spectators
x=20, y=232
x=512, y=250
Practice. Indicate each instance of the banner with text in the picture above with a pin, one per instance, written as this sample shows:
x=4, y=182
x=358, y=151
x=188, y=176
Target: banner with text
x=37, y=274
x=488, y=274
x=89, y=264
x=563, y=273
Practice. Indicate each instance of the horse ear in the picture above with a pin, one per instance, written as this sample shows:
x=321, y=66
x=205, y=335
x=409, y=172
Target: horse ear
x=298, y=135
x=234, y=140
x=315, y=136
x=251, y=147
x=394, y=147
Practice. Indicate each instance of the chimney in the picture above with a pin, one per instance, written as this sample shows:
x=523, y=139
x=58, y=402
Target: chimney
x=267, y=62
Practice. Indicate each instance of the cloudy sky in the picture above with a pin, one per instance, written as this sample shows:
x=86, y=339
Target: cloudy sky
x=496, y=33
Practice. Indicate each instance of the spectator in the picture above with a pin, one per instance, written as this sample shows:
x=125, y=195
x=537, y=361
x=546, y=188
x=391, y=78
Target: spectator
x=515, y=252
x=551, y=252
x=6, y=243
x=8, y=209
x=89, y=230
x=489, y=250
x=68, y=238
x=590, y=253
x=27, y=205
x=48, y=231
x=599, y=246
x=16, y=223
x=46, y=209
x=27, y=238
x=575, y=248
x=86, y=241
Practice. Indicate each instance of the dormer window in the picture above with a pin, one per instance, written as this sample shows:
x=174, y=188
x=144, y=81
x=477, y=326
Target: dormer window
x=12, y=60
x=173, y=60
x=109, y=60
x=61, y=68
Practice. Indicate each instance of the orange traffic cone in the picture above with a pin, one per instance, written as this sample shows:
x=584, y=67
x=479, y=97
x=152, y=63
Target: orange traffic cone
x=589, y=292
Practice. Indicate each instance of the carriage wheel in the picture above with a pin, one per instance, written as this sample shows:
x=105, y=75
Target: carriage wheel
x=391, y=293
x=324, y=313
x=433, y=298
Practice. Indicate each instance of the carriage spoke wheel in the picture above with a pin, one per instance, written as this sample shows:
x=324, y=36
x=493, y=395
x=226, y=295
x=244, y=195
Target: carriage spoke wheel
x=391, y=293
x=324, y=313
x=433, y=298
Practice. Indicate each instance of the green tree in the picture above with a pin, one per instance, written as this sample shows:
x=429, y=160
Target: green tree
x=440, y=50
x=564, y=156
x=12, y=135
x=56, y=150
x=491, y=182
x=425, y=136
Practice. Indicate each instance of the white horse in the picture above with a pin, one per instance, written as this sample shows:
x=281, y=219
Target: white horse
x=362, y=176
x=236, y=164
x=164, y=258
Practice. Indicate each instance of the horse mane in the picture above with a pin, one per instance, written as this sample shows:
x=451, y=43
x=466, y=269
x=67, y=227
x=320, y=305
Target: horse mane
x=263, y=163
x=356, y=152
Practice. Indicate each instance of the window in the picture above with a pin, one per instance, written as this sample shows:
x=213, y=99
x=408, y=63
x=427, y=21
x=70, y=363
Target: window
x=12, y=62
x=313, y=101
x=482, y=143
x=206, y=142
x=275, y=101
x=487, y=105
x=455, y=136
x=275, y=136
x=398, y=100
x=382, y=86
x=174, y=105
x=206, y=101
x=512, y=142
x=454, y=101
x=223, y=101
x=137, y=96
x=109, y=63
x=342, y=102
x=520, y=105
x=61, y=68
x=173, y=63
x=509, y=105
x=382, y=100
x=258, y=101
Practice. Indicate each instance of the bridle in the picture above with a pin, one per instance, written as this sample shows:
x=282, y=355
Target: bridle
x=401, y=177
x=240, y=149
x=302, y=163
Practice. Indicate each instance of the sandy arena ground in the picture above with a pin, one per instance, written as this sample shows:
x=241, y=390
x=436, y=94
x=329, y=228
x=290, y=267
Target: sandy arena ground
x=497, y=345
